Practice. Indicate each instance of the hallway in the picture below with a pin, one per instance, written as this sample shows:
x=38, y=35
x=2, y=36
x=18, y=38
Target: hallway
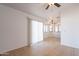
x=48, y=47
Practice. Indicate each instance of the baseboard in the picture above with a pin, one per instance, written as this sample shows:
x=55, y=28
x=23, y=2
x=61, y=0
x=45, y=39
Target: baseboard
x=5, y=51
x=69, y=45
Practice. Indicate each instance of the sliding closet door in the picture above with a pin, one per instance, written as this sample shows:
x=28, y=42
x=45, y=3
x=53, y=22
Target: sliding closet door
x=36, y=31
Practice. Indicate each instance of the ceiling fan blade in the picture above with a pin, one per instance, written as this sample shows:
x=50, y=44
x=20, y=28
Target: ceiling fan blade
x=56, y=4
x=47, y=7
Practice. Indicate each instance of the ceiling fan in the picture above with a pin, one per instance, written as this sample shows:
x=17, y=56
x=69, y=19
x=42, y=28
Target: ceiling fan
x=56, y=4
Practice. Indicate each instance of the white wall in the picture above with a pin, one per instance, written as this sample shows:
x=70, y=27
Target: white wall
x=70, y=26
x=13, y=29
x=51, y=34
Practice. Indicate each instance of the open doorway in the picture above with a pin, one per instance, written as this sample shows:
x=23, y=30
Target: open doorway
x=51, y=28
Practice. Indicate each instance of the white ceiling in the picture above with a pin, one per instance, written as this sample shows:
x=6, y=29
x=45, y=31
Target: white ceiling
x=38, y=9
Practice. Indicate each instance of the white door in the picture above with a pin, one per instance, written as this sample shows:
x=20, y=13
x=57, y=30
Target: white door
x=37, y=31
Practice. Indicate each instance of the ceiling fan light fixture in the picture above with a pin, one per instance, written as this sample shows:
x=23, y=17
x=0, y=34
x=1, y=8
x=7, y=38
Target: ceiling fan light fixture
x=51, y=4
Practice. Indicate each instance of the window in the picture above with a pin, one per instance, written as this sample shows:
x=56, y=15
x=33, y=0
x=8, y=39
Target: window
x=46, y=29
x=51, y=28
